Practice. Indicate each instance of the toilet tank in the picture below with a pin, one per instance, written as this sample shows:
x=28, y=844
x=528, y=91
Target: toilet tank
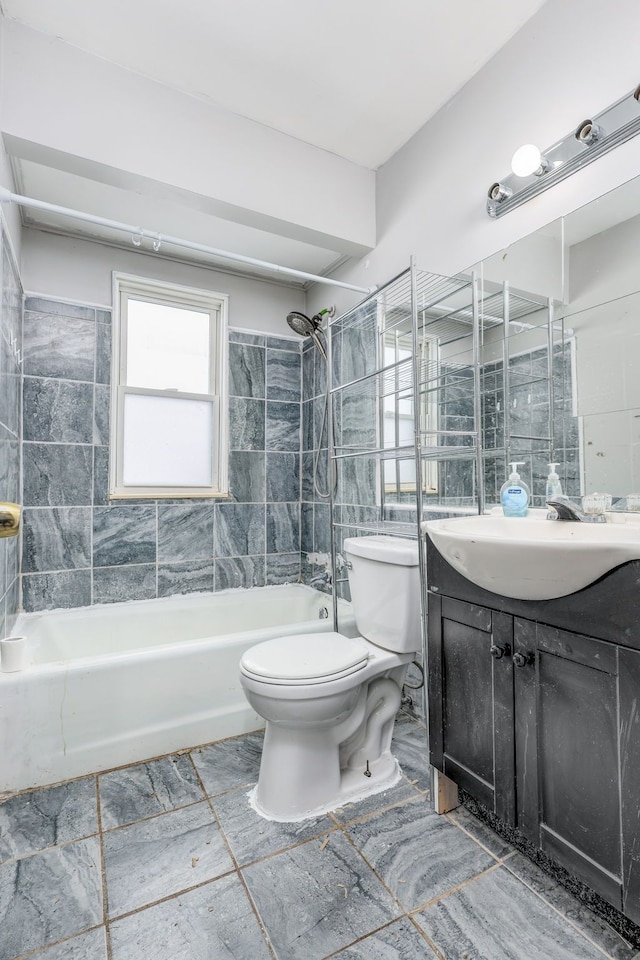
x=384, y=579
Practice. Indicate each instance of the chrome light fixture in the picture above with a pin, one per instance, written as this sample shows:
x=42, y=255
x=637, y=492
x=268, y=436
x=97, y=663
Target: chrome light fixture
x=534, y=171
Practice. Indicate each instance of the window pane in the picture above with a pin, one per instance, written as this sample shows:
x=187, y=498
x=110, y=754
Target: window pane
x=167, y=347
x=167, y=441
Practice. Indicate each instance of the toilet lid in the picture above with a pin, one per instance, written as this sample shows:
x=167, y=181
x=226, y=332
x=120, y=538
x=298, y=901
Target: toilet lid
x=305, y=658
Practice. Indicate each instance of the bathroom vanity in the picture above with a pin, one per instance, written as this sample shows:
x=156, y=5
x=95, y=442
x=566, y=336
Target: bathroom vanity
x=534, y=710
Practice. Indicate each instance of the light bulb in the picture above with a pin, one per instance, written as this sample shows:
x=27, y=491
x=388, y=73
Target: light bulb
x=526, y=160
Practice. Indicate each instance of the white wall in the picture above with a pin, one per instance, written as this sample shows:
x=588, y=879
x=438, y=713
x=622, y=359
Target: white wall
x=571, y=60
x=11, y=214
x=603, y=310
x=97, y=119
x=80, y=271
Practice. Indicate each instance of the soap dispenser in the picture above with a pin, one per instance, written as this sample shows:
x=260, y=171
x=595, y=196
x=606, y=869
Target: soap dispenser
x=554, y=487
x=514, y=495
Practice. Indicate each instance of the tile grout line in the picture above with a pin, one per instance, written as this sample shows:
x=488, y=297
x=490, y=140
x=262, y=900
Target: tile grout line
x=154, y=816
x=452, y=890
x=431, y=943
x=374, y=813
x=395, y=898
x=53, y=846
x=361, y=939
x=39, y=951
x=568, y=920
x=454, y=823
x=105, y=898
x=125, y=766
x=84, y=930
x=234, y=860
x=169, y=896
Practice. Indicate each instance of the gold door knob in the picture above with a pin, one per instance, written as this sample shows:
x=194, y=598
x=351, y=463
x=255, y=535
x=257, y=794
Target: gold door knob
x=9, y=519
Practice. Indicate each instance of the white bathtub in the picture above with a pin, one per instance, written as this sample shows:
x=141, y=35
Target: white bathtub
x=117, y=683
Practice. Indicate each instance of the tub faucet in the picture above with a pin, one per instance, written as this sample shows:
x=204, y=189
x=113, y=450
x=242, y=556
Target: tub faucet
x=322, y=582
x=566, y=509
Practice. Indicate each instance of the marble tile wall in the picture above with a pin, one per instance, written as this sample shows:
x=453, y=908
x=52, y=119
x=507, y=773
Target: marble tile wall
x=10, y=426
x=528, y=416
x=78, y=548
x=355, y=412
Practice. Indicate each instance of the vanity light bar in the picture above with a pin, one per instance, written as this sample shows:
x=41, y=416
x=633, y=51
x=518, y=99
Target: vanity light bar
x=591, y=139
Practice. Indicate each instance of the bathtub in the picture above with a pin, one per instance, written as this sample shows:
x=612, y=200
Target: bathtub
x=117, y=683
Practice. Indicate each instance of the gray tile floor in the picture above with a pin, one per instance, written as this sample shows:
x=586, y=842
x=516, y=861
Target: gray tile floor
x=165, y=860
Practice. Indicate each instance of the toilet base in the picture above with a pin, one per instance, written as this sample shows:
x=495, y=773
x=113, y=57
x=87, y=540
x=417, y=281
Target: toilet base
x=385, y=773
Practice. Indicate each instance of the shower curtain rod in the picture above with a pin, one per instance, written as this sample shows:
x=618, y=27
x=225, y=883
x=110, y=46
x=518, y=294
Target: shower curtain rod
x=157, y=238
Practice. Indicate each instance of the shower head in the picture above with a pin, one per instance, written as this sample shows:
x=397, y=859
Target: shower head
x=306, y=326
x=301, y=324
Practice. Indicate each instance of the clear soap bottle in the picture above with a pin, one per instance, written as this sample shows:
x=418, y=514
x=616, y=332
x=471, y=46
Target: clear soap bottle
x=554, y=487
x=514, y=495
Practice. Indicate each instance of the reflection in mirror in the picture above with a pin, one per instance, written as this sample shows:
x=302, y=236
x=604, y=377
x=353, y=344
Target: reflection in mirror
x=587, y=265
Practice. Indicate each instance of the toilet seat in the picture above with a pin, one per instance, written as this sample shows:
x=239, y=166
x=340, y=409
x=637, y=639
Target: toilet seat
x=305, y=658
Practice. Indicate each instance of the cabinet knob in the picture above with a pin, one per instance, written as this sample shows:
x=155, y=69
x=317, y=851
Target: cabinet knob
x=523, y=659
x=499, y=652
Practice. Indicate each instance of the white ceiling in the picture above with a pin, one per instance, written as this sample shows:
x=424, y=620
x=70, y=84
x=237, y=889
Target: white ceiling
x=354, y=77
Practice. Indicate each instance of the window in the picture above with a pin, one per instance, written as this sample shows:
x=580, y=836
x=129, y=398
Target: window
x=398, y=415
x=169, y=390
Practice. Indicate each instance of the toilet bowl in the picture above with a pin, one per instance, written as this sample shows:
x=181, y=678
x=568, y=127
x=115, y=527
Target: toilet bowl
x=330, y=701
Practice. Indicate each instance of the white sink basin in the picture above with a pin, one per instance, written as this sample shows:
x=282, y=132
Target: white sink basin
x=531, y=558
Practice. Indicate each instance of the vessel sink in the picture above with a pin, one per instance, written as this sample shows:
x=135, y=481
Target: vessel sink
x=533, y=558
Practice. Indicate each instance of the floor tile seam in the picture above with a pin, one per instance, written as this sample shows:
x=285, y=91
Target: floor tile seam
x=294, y=846
x=368, y=816
x=567, y=919
x=425, y=936
x=215, y=816
x=363, y=937
x=475, y=840
x=154, y=816
x=493, y=869
x=453, y=890
x=46, y=786
x=395, y=898
x=56, y=846
x=170, y=896
x=126, y=766
x=56, y=943
x=413, y=783
x=103, y=871
x=256, y=912
x=224, y=793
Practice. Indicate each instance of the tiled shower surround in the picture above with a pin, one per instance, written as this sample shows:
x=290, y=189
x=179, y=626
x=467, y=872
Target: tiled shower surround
x=78, y=548
x=10, y=338
x=528, y=415
x=355, y=423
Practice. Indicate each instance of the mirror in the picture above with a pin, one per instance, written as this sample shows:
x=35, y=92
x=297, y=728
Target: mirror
x=587, y=264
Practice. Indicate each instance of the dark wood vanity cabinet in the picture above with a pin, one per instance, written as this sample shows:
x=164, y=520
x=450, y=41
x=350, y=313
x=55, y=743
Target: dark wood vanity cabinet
x=541, y=724
x=471, y=718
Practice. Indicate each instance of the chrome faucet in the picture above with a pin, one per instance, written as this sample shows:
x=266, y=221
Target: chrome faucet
x=322, y=582
x=566, y=509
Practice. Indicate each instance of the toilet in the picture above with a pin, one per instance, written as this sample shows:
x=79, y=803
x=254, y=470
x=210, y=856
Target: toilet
x=330, y=701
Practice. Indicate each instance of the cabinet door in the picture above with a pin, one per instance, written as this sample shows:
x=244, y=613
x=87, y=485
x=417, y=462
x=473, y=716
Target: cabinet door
x=471, y=701
x=575, y=734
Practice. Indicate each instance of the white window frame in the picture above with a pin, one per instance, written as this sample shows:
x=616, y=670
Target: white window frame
x=216, y=305
x=428, y=416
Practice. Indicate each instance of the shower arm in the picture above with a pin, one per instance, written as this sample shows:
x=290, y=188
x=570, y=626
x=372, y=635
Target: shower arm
x=6, y=196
